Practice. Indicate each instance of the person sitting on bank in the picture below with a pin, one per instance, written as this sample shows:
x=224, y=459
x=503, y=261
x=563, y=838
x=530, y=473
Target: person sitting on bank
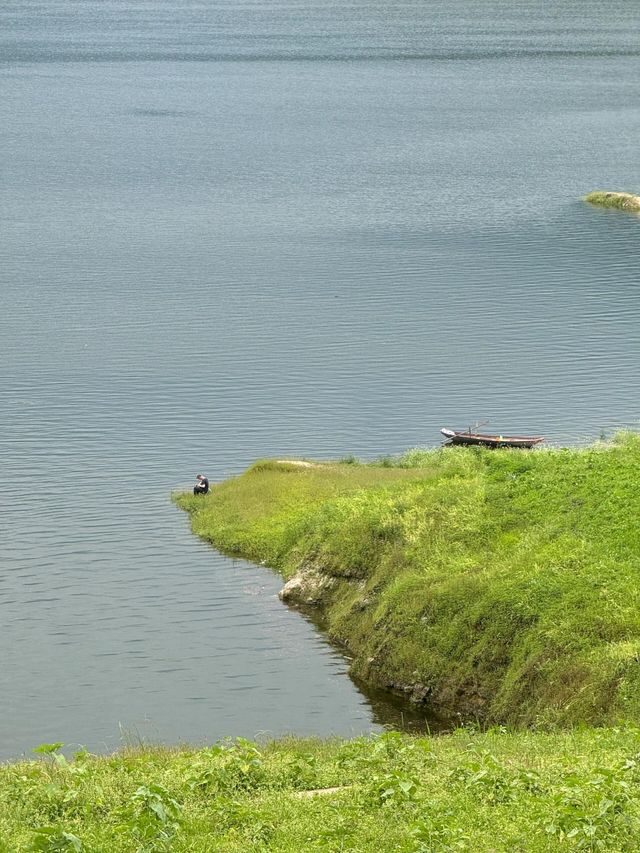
x=202, y=485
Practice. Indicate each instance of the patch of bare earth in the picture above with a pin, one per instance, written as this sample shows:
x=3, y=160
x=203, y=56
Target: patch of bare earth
x=319, y=792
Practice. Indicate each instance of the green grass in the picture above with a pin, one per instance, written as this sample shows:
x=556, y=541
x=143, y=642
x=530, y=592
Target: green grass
x=502, y=585
x=496, y=791
x=620, y=201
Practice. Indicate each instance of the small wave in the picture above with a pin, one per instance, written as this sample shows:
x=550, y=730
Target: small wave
x=19, y=55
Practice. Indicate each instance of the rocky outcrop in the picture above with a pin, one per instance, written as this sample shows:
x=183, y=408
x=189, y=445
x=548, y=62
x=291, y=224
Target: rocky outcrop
x=308, y=586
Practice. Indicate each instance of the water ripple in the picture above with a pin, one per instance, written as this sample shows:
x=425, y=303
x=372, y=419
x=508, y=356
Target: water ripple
x=207, y=262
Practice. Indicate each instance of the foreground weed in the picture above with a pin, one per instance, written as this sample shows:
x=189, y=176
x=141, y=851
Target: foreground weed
x=590, y=813
x=338, y=832
x=52, y=786
x=396, y=788
x=154, y=819
x=50, y=749
x=485, y=777
x=298, y=772
x=439, y=834
x=238, y=766
x=51, y=839
x=371, y=755
x=392, y=745
x=55, y=761
x=243, y=822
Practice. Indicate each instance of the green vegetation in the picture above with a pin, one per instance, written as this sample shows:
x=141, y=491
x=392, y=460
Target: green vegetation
x=620, y=201
x=496, y=791
x=502, y=585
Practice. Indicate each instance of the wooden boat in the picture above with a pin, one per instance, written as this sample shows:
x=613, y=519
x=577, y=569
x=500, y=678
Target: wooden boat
x=479, y=439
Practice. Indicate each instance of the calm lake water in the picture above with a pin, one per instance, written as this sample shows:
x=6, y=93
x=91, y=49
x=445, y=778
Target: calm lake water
x=237, y=229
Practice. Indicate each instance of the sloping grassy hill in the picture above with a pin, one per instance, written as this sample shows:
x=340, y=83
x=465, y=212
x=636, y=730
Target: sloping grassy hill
x=500, y=584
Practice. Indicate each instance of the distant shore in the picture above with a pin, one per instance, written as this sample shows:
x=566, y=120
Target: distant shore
x=617, y=200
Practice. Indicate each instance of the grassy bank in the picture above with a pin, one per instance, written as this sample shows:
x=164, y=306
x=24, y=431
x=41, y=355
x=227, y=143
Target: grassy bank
x=619, y=201
x=503, y=585
x=466, y=791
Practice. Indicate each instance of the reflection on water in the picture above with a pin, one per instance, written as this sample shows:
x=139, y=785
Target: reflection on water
x=231, y=232
x=393, y=712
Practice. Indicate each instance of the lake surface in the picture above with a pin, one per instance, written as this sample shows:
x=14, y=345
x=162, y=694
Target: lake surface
x=232, y=230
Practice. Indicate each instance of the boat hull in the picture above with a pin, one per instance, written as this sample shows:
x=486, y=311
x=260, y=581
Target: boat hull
x=481, y=440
